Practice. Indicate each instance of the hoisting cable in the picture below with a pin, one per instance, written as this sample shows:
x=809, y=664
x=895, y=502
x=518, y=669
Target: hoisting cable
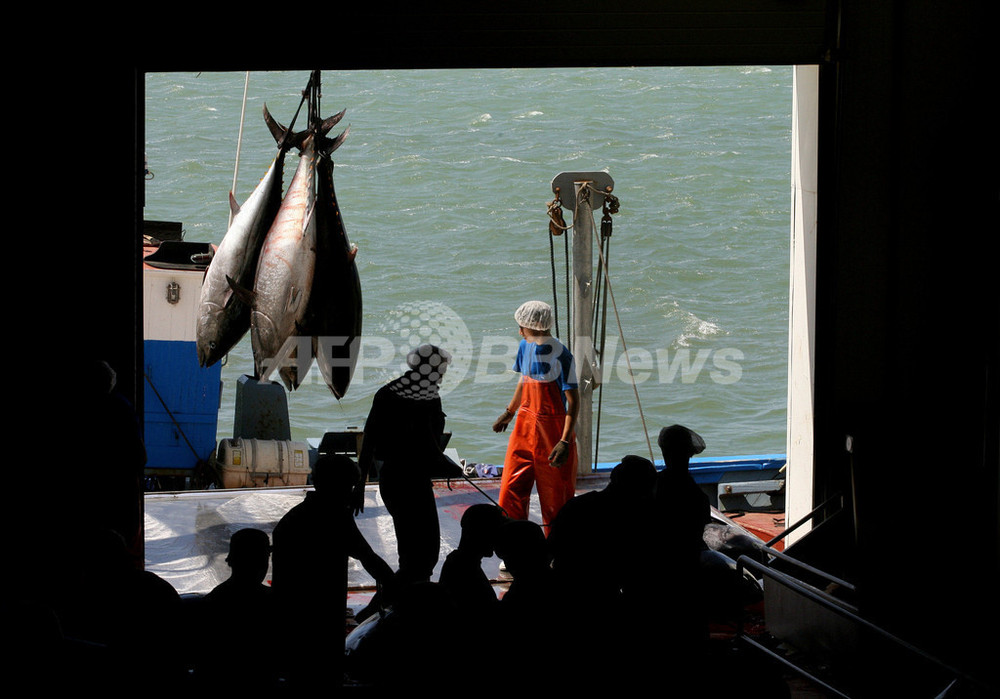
x=601, y=308
x=607, y=280
x=239, y=139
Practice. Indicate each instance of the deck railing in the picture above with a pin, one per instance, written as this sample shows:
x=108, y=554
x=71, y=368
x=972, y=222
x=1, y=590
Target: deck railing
x=950, y=678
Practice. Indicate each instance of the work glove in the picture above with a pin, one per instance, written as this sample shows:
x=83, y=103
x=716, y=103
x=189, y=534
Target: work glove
x=501, y=422
x=560, y=452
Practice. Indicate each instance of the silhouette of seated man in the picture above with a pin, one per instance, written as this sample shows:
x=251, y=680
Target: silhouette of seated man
x=534, y=610
x=249, y=555
x=239, y=608
x=311, y=546
x=117, y=615
x=597, y=536
x=462, y=572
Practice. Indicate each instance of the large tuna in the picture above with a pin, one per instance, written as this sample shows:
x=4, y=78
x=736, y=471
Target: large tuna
x=224, y=313
x=333, y=318
x=286, y=268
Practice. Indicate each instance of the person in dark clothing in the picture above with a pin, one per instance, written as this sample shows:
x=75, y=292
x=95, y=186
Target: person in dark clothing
x=599, y=536
x=249, y=554
x=683, y=506
x=311, y=545
x=534, y=607
x=600, y=544
x=236, y=609
x=462, y=572
x=680, y=512
x=402, y=444
x=114, y=618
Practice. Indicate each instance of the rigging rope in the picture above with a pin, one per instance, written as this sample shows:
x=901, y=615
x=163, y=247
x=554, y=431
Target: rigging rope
x=557, y=226
x=607, y=280
x=601, y=309
x=239, y=139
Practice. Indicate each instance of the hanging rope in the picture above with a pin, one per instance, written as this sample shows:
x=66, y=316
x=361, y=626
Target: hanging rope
x=239, y=139
x=601, y=316
x=557, y=226
x=612, y=207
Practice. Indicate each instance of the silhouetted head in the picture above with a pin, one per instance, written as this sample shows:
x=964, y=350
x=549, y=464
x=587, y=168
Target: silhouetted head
x=249, y=551
x=480, y=524
x=521, y=545
x=426, y=366
x=335, y=475
x=633, y=477
x=678, y=444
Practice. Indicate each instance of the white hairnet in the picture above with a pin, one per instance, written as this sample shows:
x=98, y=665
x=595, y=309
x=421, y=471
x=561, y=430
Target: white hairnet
x=535, y=315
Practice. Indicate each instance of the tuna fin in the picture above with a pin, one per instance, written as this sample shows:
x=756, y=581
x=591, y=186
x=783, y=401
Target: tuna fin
x=325, y=146
x=284, y=137
x=244, y=295
x=234, y=207
x=324, y=126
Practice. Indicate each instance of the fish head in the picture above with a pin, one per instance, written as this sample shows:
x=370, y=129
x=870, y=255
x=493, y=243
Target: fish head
x=208, y=337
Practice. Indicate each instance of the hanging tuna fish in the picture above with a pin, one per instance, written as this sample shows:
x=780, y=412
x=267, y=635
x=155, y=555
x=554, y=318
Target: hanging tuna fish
x=224, y=311
x=306, y=294
x=333, y=318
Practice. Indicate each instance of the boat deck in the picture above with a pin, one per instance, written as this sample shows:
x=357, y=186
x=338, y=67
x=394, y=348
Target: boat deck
x=187, y=533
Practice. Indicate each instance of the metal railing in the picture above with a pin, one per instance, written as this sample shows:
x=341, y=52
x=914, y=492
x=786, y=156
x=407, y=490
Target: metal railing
x=843, y=609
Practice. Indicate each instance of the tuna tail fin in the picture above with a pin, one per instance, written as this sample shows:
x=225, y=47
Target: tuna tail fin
x=324, y=126
x=325, y=146
x=283, y=136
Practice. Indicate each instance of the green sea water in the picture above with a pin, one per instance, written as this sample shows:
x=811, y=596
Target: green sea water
x=444, y=181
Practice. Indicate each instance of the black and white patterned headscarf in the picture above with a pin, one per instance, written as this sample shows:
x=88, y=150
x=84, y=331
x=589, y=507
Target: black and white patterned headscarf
x=427, y=365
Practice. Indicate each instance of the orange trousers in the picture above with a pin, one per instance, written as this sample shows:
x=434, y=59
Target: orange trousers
x=538, y=426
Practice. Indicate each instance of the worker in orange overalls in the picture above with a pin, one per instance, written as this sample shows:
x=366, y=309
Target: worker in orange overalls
x=542, y=446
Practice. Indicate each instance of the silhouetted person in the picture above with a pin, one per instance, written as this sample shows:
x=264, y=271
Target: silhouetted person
x=534, y=611
x=115, y=618
x=239, y=608
x=600, y=544
x=598, y=535
x=403, y=444
x=311, y=545
x=682, y=505
x=106, y=433
x=462, y=573
x=681, y=511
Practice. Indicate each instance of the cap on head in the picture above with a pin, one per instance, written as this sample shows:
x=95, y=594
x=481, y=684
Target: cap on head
x=677, y=440
x=534, y=315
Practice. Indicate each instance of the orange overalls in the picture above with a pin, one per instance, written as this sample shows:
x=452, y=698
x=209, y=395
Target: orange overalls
x=537, y=428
